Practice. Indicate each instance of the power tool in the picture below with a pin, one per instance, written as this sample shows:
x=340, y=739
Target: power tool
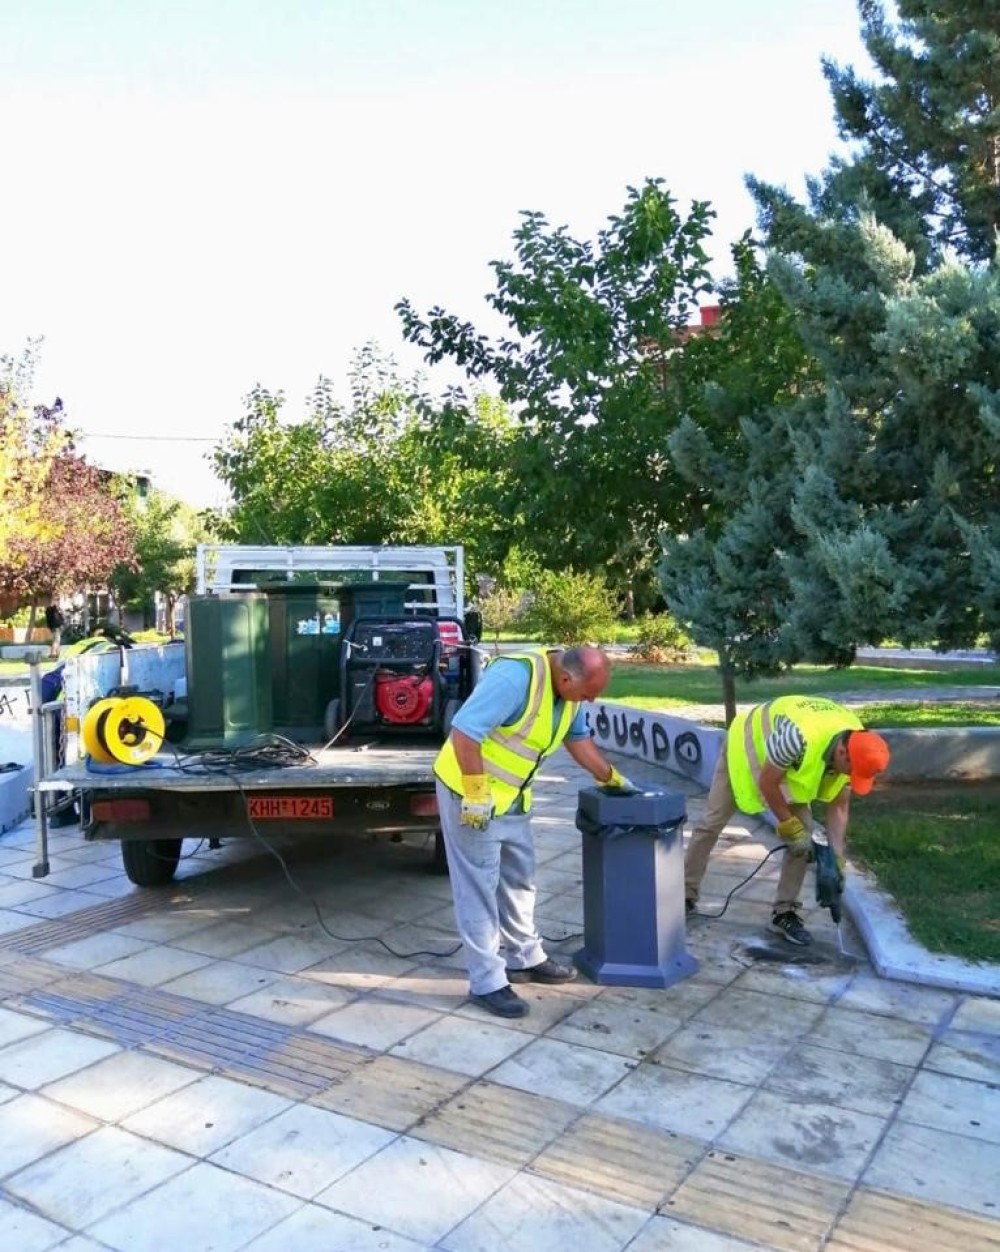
x=829, y=875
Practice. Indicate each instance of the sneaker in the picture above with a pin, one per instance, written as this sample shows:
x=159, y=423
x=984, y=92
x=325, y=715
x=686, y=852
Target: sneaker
x=502, y=1003
x=790, y=926
x=547, y=971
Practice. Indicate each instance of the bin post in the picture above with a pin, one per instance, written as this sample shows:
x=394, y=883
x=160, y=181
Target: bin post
x=633, y=888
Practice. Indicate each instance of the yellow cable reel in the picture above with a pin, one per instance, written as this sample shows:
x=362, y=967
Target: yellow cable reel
x=92, y=730
x=127, y=730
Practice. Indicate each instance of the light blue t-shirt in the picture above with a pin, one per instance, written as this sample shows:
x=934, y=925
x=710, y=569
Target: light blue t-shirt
x=500, y=698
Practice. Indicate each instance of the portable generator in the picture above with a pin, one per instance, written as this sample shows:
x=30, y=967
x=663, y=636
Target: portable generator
x=401, y=675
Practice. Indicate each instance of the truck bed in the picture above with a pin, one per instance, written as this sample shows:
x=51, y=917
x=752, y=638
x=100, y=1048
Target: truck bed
x=364, y=766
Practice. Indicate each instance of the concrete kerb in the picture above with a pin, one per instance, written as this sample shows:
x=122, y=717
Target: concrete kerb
x=684, y=747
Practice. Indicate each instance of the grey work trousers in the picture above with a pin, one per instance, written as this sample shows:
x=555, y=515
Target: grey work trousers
x=720, y=805
x=493, y=890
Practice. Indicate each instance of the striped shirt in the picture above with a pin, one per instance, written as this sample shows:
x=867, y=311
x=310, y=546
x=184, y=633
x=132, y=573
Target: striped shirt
x=785, y=746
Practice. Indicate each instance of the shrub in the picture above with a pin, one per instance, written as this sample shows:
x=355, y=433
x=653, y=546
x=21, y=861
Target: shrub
x=501, y=609
x=572, y=608
x=659, y=639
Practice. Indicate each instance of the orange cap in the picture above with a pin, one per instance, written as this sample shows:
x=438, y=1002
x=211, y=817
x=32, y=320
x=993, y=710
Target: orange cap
x=869, y=756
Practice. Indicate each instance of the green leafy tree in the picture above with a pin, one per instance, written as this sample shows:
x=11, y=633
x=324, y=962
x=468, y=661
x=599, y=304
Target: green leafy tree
x=388, y=467
x=738, y=390
x=592, y=329
x=167, y=532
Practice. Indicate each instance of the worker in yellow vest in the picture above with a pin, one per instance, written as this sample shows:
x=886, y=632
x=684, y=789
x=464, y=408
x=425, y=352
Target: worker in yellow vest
x=782, y=756
x=522, y=709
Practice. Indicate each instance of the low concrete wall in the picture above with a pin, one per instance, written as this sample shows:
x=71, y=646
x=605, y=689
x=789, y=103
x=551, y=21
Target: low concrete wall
x=942, y=753
x=675, y=743
x=970, y=753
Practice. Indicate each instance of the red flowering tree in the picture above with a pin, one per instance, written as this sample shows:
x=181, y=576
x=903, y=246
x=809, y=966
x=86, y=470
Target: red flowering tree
x=62, y=526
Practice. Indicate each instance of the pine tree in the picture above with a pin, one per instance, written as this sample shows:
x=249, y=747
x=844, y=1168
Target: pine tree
x=927, y=130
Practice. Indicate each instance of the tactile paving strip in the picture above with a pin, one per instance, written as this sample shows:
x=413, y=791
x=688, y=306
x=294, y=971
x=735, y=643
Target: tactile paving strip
x=256, y=1051
x=497, y=1123
x=392, y=1092
x=782, y=1209
x=633, y=1164
x=41, y=936
x=876, y=1222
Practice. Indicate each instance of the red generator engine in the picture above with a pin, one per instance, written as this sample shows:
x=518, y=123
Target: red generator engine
x=401, y=675
x=403, y=698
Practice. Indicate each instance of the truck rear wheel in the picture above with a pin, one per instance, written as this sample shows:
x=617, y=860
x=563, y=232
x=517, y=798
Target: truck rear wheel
x=150, y=862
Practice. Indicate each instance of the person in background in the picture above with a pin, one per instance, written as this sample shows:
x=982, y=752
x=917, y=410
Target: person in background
x=522, y=709
x=55, y=621
x=782, y=756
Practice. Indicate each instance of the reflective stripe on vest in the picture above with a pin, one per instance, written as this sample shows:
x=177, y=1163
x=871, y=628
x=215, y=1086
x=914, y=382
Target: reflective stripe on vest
x=512, y=753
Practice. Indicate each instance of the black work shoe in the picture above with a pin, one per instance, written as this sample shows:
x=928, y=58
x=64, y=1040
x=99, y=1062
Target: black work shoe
x=547, y=971
x=790, y=926
x=502, y=1003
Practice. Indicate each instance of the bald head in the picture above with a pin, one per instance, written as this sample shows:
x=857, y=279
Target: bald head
x=581, y=673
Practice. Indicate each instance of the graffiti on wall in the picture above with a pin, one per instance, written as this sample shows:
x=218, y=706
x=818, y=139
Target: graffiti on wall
x=654, y=739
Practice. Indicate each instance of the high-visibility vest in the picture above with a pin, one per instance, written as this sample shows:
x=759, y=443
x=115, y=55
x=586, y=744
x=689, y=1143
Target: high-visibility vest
x=511, y=754
x=820, y=722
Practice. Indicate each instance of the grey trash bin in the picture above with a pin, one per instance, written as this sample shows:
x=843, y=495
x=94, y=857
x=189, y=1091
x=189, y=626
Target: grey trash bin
x=633, y=887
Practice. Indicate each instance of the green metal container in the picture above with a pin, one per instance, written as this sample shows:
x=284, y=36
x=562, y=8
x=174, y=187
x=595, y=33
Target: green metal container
x=372, y=599
x=305, y=652
x=228, y=670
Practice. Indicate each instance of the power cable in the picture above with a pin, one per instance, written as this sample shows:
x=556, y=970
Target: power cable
x=271, y=751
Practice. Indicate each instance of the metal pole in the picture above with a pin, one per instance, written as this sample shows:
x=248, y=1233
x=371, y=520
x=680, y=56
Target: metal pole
x=41, y=866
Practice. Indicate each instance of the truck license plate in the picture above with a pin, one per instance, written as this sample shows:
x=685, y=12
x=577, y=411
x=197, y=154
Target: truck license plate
x=289, y=808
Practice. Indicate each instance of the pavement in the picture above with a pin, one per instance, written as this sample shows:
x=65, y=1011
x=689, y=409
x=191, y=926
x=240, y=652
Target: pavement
x=218, y=1066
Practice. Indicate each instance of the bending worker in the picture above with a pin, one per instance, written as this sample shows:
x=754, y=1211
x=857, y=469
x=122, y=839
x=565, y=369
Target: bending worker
x=523, y=708
x=781, y=756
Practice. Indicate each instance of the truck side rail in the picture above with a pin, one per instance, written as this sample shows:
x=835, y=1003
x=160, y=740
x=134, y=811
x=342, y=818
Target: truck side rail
x=228, y=568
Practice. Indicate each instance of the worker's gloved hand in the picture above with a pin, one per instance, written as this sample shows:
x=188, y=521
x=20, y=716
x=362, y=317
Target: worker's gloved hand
x=618, y=782
x=829, y=877
x=794, y=833
x=477, y=803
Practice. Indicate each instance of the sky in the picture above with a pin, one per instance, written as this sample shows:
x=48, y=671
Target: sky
x=205, y=195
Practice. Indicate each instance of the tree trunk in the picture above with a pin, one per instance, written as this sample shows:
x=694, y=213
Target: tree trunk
x=728, y=691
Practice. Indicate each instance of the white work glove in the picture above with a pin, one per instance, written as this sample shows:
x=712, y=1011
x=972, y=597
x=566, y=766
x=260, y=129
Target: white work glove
x=477, y=803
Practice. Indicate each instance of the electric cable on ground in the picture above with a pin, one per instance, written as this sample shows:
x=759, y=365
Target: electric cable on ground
x=270, y=751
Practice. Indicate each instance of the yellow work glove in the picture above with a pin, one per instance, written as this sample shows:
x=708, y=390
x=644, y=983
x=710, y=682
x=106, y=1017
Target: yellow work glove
x=618, y=781
x=794, y=834
x=477, y=803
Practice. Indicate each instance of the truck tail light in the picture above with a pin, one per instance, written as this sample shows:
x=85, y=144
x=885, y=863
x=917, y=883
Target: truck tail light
x=424, y=804
x=132, y=809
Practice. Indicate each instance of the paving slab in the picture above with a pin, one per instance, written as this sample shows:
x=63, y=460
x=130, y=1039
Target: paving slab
x=210, y=1067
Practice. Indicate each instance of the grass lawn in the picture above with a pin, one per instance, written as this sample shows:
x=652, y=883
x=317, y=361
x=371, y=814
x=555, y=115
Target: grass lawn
x=669, y=686
x=936, y=849
x=928, y=714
